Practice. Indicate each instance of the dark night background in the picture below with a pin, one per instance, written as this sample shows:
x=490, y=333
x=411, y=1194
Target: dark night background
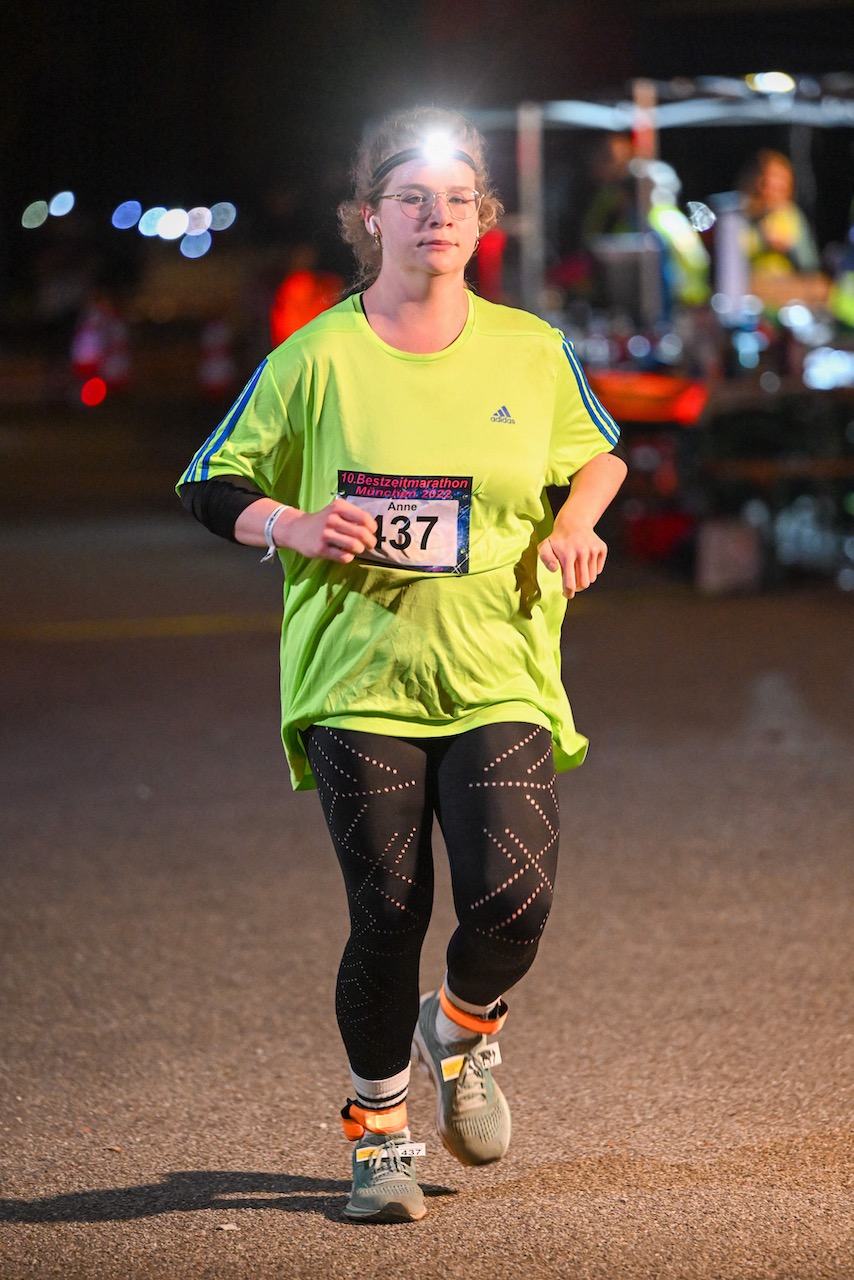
x=262, y=103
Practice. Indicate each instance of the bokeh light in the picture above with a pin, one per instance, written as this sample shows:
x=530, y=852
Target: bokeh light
x=35, y=215
x=61, y=204
x=827, y=368
x=196, y=246
x=198, y=220
x=670, y=348
x=173, y=224
x=222, y=215
x=700, y=215
x=127, y=215
x=639, y=347
x=149, y=221
x=167, y=224
x=771, y=82
x=93, y=391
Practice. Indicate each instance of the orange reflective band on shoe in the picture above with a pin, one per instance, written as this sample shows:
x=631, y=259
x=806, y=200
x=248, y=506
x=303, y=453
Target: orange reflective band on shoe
x=480, y=1026
x=356, y=1120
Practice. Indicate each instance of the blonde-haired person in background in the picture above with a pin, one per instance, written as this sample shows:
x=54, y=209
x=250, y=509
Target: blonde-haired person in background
x=423, y=603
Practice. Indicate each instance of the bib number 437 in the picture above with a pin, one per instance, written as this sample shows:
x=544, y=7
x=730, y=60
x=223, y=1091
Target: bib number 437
x=422, y=521
x=402, y=537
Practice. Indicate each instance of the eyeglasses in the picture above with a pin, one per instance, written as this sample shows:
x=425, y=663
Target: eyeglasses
x=419, y=202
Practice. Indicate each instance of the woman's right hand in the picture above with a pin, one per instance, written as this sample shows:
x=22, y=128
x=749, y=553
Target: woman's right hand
x=340, y=531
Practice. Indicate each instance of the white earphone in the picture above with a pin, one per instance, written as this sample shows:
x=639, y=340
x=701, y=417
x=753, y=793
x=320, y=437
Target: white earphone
x=372, y=226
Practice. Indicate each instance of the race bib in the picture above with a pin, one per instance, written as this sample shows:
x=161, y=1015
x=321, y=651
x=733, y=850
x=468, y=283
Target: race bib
x=422, y=521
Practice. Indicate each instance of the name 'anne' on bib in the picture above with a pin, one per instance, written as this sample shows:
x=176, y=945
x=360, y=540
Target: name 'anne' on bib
x=422, y=521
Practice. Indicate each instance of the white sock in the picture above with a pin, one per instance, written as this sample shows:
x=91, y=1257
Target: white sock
x=450, y=1032
x=381, y=1095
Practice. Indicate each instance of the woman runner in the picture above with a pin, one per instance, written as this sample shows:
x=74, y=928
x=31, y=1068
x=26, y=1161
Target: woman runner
x=394, y=454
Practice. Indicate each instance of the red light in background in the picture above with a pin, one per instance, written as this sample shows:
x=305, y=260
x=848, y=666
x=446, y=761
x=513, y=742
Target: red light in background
x=690, y=403
x=93, y=391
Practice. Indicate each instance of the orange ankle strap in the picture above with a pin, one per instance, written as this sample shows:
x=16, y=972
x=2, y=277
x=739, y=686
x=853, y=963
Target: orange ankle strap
x=480, y=1026
x=356, y=1120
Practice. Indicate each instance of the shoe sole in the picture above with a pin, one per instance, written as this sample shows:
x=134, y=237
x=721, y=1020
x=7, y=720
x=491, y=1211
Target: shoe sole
x=394, y=1212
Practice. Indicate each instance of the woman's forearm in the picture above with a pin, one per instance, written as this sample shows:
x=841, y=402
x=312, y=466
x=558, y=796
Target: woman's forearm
x=593, y=488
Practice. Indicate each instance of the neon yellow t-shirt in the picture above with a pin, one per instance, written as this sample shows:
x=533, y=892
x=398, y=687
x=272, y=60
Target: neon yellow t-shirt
x=453, y=623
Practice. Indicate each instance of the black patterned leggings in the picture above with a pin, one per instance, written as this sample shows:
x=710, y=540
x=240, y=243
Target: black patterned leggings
x=493, y=792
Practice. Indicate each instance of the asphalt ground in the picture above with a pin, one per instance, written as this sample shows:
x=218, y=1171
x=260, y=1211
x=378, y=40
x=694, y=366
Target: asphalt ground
x=679, y=1061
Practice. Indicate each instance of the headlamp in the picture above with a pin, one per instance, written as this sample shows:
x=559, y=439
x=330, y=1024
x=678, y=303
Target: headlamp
x=436, y=148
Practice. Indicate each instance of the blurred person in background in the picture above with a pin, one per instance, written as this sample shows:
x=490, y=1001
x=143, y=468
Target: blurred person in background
x=841, y=297
x=613, y=206
x=394, y=455
x=778, y=238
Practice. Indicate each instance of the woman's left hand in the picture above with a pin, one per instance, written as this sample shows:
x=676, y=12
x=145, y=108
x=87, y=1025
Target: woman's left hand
x=578, y=552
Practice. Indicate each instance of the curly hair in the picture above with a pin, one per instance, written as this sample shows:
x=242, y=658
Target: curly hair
x=396, y=133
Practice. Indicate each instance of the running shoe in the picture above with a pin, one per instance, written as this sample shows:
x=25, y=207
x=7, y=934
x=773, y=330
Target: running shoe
x=472, y=1114
x=385, y=1188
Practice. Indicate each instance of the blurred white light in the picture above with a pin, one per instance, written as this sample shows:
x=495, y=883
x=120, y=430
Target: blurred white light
x=770, y=381
x=845, y=579
x=748, y=346
x=639, y=346
x=670, y=348
x=126, y=215
x=173, y=224
x=662, y=174
x=222, y=215
x=61, y=204
x=149, y=221
x=795, y=316
x=597, y=349
x=196, y=245
x=825, y=369
x=438, y=147
x=35, y=215
x=771, y=82
x=198, y=220
x=700, y=215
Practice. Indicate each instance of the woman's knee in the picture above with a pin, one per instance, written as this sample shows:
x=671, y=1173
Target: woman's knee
x=382, y=917
x=512, y=920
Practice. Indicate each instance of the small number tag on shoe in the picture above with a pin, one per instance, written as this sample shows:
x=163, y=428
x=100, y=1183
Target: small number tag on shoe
x=490, y=1056
x=406, y=1150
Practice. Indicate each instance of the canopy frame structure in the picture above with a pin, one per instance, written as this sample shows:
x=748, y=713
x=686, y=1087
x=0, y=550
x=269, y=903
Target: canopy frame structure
x=711, y=102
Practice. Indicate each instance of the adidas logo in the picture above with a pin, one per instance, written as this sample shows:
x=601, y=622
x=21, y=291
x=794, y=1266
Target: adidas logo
x=503, y=415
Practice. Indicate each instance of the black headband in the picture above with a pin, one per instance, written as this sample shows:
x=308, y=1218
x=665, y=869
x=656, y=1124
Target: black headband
x=413, y=153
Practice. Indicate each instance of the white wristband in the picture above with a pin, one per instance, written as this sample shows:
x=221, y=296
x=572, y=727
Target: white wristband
x=268, y=531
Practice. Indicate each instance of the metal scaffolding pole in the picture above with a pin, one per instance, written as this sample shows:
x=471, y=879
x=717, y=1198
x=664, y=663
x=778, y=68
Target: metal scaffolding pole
x=529, y=155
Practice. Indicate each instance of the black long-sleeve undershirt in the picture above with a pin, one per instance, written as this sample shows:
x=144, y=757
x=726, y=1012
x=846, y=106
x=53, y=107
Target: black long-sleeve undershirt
x=217, y=503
